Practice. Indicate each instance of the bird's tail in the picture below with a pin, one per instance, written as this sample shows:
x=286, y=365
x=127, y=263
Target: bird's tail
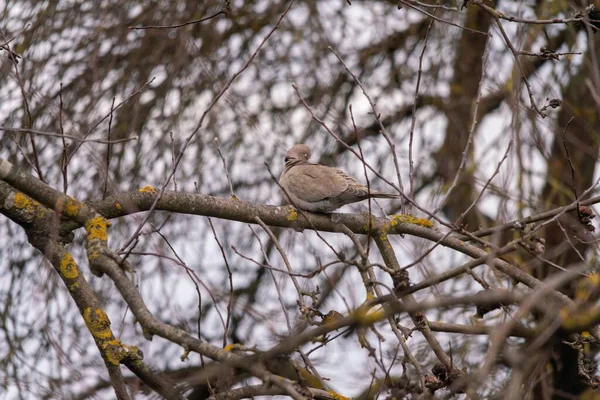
x=383, y=195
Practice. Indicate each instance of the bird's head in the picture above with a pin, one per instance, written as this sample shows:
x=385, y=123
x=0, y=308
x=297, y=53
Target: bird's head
x=298, y=152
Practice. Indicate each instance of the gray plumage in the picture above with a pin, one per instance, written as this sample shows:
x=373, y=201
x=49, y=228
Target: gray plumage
x=318, y=188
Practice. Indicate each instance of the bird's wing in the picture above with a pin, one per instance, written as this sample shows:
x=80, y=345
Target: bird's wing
x=313, y=182
x=355, y=189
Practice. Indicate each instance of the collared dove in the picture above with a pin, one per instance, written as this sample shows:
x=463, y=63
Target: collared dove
x=318, y=188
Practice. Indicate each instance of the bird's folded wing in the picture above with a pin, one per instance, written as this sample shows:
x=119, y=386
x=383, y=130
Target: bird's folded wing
x=355, y=189
x=315, y=182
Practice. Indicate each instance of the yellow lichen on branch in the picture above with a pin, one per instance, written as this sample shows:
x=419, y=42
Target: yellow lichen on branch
x=337, y=396
x=148, y=189
x=73, y=207
x=370, y=223
x=97, y=322
x=292, y=215
x=115, y=351
x=409, y=219
x=97, y=228
x=112, y=351
x=22, y=201
x=68, y=267
x=383, y=232
x=231, y=347
x=31, y=207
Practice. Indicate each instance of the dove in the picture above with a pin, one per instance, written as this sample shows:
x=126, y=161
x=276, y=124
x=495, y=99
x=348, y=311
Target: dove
x=319, y=188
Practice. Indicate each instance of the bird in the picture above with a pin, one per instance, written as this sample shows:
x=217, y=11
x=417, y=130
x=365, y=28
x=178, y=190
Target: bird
x=319, y=188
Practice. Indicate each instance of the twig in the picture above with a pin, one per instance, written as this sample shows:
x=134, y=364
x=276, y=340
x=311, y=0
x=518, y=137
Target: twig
x=21, y=84
x=518, y=62
x=521, y=223
x=406, y=3
x=511, y=18
x=63, y=161
x=517, y=331
x=275, y=283
x=564, y=142
x=465, y=153
x=487, y=183
x=299, y=290
x=284, y=257
x=7, y=41
x=270, y=267
x=93, y=127
x=414, y=112
x=70, y=137
x=180, y=25
x=191, y=273
x=108, y=148
x=230, y=277
x=434, y=6
x=364, y=171
x=218, y=146
x=173, y=158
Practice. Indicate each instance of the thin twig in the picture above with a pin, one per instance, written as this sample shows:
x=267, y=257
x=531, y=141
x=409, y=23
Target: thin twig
x=284, y=257
x=564, y=142
x=218, y=146
x=61, y=136
x=63, y=161
x=512, y=18
x=173, y=158
x=191, y=273
x=7, y=41
x=518, y=62
x=434, y=6
x=521, y=223
x=283, y=271
x=364, y=171
x=230, y=277
x=411, y=176
x=108, y=148
x=196, y=21
x=440, y=19
x=95, y=125
x=487, y=183
x=465, y=153
x=21, y=84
